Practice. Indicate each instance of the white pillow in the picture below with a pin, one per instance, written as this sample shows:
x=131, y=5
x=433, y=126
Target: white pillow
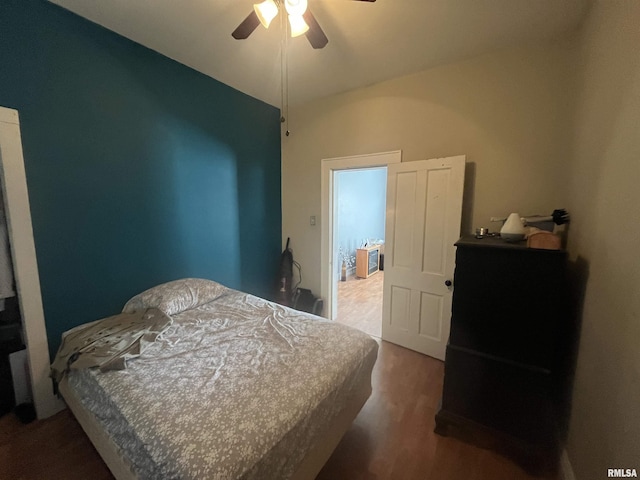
x=176, y=296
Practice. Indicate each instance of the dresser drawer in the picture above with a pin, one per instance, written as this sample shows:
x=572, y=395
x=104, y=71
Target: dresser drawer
x=500, y=395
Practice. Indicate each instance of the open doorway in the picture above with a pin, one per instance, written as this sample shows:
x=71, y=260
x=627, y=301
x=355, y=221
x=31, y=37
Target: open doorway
x=359, y=228
x=331, y=264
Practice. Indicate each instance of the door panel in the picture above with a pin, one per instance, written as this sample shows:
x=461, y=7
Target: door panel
x=424, y=208
x=405, y=219
x=434, y=254
x=430, y=308
x=400, y=305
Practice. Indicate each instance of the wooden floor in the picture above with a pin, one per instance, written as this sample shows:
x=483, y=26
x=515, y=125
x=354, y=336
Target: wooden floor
x=392, y=437
x=360, y=303
x=56, y=448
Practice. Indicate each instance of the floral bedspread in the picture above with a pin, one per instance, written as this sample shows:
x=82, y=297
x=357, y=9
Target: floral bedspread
x=237, y=388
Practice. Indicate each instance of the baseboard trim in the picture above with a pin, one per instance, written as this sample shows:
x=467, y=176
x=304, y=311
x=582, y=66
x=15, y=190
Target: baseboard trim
x=565, y=467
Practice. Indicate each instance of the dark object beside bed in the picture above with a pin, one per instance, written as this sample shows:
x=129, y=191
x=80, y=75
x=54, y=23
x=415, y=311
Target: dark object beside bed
x=305, y=301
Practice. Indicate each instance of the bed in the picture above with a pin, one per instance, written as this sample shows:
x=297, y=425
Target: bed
x=233, y=387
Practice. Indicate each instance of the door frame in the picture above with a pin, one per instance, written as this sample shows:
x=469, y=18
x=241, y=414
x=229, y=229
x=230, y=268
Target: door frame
x=328, y=169
x=25, y=266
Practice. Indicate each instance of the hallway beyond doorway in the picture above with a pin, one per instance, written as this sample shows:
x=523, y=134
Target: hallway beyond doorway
x=360, y=303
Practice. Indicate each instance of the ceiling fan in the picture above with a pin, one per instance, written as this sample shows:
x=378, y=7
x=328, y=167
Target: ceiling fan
x=301, y=20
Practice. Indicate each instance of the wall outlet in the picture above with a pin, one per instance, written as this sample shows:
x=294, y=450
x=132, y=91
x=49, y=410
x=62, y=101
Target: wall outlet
x=312, y=220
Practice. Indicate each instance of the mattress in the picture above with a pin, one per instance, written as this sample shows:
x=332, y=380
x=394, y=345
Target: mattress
x=236, y=388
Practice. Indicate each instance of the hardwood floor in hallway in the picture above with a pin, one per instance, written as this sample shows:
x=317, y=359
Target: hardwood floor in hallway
x=360, y=303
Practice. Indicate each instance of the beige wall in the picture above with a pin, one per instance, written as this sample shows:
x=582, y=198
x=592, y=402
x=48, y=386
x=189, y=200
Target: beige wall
x=605, y=235
x=507, y=112
x=555, y=125
x=549, y=126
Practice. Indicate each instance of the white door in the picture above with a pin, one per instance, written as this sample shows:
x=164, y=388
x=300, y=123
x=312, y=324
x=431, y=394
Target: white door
x=424, y=207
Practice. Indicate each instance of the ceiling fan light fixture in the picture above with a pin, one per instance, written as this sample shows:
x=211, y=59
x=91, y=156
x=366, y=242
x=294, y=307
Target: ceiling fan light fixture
x=266, y=12
x=298, y=25
x=295, y=7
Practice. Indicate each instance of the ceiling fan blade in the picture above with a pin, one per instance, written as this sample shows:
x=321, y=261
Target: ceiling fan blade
x=315, y=35
x=247, y=26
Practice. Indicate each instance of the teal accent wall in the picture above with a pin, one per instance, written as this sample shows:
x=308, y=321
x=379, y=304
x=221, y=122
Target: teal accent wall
x=140, y=170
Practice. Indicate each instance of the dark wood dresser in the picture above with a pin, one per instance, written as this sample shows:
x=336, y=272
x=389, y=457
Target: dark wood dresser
x=503, y=369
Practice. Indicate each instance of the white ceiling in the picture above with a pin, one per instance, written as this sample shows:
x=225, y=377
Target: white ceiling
x=368, y=42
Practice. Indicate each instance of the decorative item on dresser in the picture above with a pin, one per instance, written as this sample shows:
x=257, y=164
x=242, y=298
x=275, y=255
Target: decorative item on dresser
x=367, y=261
x=504, y=366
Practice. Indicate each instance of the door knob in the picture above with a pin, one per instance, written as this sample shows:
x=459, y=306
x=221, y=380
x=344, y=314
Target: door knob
x=448, y=283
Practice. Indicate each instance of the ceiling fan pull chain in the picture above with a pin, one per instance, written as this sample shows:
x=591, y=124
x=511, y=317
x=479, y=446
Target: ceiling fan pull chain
x=284, y=73
x=282, y=40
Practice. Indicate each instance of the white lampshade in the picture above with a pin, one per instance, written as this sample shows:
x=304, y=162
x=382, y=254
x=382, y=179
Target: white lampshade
x=298, y=25
x=266, y=12
x=295, y=7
